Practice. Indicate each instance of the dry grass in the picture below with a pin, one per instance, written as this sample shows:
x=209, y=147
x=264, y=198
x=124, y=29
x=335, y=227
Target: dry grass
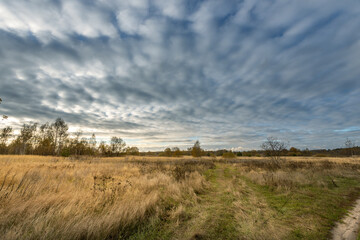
x=313, y=193
x=57, y=198
x=292, y=173
x=311, y=159
x=174, y=198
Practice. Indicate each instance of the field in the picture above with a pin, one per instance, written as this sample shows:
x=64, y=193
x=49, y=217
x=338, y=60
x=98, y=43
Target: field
x=174, y=198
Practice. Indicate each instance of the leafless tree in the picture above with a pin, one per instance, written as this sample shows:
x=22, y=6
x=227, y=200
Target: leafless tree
x=274, y=148
x=350, y=145
x=60, y=129
x=92, y=143
x=27, y=134
x=5, y=134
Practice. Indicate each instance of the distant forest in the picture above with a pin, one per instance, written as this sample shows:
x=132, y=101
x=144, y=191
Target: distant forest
x=53, y=139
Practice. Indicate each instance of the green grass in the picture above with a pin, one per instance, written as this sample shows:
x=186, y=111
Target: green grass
x=155, y=229
x=307, y=211
x=325, y=205
x=214, y=204
x=222, y=224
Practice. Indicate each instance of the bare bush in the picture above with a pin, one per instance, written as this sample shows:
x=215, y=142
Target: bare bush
x=274, y=149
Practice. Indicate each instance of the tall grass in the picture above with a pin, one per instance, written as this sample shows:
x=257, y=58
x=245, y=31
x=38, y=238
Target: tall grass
x=294, y=174
x=56, y=198
x=120, y=198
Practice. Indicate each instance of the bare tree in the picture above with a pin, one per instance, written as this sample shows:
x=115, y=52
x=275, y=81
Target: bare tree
x=5, y=134
x=60, y=129
x=350, y=145
x=273, y=148
x=92, y=143
x=27, y=134
x=45, y=139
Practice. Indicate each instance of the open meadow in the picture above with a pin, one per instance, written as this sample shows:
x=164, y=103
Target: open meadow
x=174, y=198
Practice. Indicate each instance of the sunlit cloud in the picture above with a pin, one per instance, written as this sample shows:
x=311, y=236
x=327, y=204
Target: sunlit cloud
x=165, y=73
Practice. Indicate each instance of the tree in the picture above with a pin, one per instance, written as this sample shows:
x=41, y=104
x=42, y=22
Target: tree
x=176, y=152
x=45, y=140
x=104, y=149
x=196, y=150
x=294, y=152
x=350, y=145
x=27, y=134
x=167, y=152
x=92, y=143
x=5, y=134
x=77, y=145
x=273, y=148
x=60, y=134
x=117, y=145
x=132, y=151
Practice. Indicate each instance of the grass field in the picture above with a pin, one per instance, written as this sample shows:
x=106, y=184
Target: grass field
x=174, y=198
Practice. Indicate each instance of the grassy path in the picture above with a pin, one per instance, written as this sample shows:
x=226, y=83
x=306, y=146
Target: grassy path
x=213, y=217
x=221, y=212
x=235, y=208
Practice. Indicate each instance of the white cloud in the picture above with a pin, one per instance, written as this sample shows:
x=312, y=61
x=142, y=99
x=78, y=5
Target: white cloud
x=47, y=20
x=164, y=72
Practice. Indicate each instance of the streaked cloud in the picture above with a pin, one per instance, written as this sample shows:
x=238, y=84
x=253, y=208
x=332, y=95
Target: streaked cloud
x=163, y=73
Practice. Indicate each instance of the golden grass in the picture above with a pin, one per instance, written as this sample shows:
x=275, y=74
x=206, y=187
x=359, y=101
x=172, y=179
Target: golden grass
x=355, y=159
x=57, y=198
x=312, y=192
x=293, y=173
x=114, y=198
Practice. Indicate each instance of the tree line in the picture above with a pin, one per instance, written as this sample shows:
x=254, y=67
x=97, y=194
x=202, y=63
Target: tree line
x=195, y=151
x=53, y=139
x=272, y=147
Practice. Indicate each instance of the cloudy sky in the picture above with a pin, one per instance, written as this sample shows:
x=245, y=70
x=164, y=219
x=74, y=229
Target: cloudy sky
x=166, y=73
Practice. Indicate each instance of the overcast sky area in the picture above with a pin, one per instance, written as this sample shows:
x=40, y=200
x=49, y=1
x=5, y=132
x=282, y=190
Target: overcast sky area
x=166, y=73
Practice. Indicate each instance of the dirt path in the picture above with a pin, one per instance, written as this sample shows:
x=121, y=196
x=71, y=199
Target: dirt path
x=348, y=228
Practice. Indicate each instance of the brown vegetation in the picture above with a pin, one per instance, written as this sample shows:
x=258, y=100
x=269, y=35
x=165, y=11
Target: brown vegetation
x=57, y=198
x=174, y=198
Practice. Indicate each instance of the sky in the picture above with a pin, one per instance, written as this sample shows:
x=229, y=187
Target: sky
x=167, y=73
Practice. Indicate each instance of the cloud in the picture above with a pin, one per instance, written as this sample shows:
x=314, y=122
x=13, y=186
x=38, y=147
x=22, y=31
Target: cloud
x=168, y=72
